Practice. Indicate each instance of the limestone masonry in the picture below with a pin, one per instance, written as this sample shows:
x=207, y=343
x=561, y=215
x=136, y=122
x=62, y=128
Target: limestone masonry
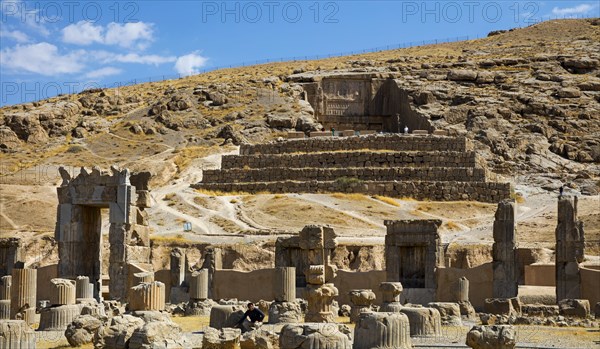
x=421, y=166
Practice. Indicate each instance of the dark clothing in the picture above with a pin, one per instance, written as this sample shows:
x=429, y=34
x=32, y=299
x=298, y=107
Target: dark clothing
x=254, y=315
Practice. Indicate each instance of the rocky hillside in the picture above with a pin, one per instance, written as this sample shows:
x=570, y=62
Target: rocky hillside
x=529, y=97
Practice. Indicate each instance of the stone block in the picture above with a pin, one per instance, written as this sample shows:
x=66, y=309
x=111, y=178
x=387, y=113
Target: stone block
x=225, y=338
x=491, y=337
x=574, y=307
x=449, y=313
x=502, y=306
x=222, y=316
x=285, y=312
x=144, y=199
x=315, y=336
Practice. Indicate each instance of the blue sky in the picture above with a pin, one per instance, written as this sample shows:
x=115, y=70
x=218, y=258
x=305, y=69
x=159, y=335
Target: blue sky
x=52, y=47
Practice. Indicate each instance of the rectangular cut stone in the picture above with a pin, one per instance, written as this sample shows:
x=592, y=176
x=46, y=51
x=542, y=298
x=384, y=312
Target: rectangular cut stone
x=144, y=199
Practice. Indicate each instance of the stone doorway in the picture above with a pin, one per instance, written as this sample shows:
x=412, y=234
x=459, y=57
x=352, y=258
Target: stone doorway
x=79, y=227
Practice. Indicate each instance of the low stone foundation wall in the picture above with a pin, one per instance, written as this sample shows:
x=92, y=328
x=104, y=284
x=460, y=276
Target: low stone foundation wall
x=352, y=159
x=437, y=191
x=396, y=142
x=457, y=174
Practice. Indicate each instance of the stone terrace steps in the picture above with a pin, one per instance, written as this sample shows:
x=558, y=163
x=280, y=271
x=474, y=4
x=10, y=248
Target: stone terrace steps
x=241, y=175
x=359, y=158
x=420, y=190
x=423, y=167
x=394, y=142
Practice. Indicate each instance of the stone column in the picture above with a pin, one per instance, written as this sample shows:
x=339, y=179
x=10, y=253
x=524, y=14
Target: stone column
x=285, y=309
x=146, y=276
x=199, y=304
x=285, y=284
x=361, y=302
x=62, y=310
x=5, y=284
x=58, y=318
x=62, y=292
x=461, y=296
x=423, y=321
x=83, y=288
x=391, y=296
x=148, y=296
x=213, y=260
x=16, y=334
x=570, y=246
x=319, y=296
x=199, y=285
x=461, y=290
x=4, y=309
x=382, y=330
x=177, y=267
x=503, y=251
x=23, y=294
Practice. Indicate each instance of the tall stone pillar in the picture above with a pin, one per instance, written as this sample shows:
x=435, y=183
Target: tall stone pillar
x=570, y=241
x=319, y=295
x=177, y=267
x=503, y=251
x=213, y=261
x=391, y=296
x=23, y=294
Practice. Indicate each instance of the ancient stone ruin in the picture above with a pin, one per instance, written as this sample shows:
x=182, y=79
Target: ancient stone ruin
x=413, y=252
x=504, y=253
x=360, y=101
x=78, y=226
x=420, y=166
x=569, y=249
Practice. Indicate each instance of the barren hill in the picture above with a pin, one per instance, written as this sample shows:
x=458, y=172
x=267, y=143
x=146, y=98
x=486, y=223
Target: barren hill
x=529, y=98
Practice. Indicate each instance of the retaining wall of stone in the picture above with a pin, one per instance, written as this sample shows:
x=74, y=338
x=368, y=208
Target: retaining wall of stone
x=352, y=159
x=396, y=142
x=420, y=190
x=461, y=174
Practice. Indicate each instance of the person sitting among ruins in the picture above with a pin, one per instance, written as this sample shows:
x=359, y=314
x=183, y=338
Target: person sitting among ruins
x=252, y=318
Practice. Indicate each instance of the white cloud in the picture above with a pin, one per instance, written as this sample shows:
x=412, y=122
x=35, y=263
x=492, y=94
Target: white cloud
x=189, y=64
x=16, y=35
x=103, y=72
x=82, y=33
x=129, y=34
x=110, y=57
x=575, y=10
x=41, y=58
x=24, y=13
